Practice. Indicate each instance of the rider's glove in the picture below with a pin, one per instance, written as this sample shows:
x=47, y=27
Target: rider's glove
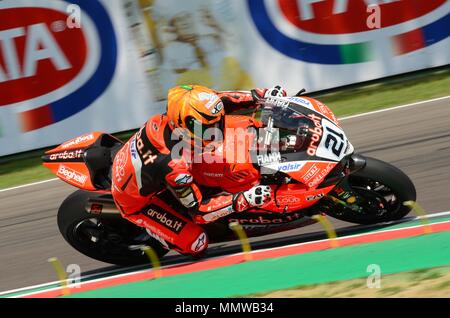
x=276, y=91
x=259, y=93
x=255, y=197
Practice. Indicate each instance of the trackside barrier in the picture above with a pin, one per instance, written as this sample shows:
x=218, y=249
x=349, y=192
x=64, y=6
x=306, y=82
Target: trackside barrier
x=331, y=233
x=61, y=273
x=240, y=233
x=421, y=214
x=154, y=259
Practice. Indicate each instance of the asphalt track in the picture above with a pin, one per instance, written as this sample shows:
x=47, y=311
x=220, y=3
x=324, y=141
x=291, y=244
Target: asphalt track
x=416, y=139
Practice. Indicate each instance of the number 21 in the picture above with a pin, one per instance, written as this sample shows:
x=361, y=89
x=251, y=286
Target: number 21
x=332, y=140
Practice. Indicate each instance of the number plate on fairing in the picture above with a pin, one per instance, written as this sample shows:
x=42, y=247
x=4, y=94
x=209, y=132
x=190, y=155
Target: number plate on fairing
x=333, y=144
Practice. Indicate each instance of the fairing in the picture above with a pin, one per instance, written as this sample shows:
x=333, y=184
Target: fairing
x=85, y=161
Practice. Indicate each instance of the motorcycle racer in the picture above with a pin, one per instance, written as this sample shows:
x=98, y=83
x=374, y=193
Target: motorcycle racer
x=145, y=166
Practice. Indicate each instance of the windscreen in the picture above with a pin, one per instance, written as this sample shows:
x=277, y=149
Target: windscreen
x=293, y=127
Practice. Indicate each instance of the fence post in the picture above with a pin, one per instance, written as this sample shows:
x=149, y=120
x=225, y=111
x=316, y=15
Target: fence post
x=154, y=260
x=246, y=248
x=331, y=233
x=62, y=275
x=421, y=214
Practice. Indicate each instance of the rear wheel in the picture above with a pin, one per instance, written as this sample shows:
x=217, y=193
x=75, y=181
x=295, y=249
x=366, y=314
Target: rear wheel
x=107, y=238
x=372, y=195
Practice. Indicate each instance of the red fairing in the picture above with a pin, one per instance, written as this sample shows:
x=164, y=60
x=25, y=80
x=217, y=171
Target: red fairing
x=79, y=142
x=67, y=163
x=170, y=227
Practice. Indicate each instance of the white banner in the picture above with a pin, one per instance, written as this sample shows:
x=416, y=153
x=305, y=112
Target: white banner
x=60, y=78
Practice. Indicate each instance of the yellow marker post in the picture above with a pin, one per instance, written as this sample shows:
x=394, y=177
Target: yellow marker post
x=62, y=275
x=154, y=259
x=421, y=214
x=246, y=248
x=331, y=233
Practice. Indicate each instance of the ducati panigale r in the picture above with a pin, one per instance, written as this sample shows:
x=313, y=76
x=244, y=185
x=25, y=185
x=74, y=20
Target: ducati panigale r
x=301, y=152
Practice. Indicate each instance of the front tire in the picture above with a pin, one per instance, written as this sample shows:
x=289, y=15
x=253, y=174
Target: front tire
x=383, y=189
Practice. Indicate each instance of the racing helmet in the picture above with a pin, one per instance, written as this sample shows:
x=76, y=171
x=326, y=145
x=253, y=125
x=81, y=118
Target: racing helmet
x=195, y=109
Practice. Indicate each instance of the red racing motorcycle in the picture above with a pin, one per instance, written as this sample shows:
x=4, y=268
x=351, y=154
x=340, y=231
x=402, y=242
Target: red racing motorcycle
x=301, y=152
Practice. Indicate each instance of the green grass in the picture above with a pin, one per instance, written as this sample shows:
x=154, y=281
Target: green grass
x=378, y=96
x=428, y=282
x=25, y=168
x=23, y=171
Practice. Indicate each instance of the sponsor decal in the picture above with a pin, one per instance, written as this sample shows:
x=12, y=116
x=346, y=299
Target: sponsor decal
x=220, y=203
x=120, y=162
x=66, y=155
x=277, y=101
x=210, y=217
x=96, y=208
x=158, y=234
x=321, y=175
x=316, y=135
x=200, y=243
x=287, y=199
x=268, y=158
x=36, y=44
x=326, y=111
x=310, y=173
x=183, y=179
x=147, y=154
x=300, y=101
x=133, y=150
x=217, y=109
x=169, y=221
x=300, y=31
x=213, y=174
x=77, y=141
x=212, y=99
x=315, y=197
x=287, y=166
x=71, y=175
x=157, y=237
x=322, y=107
x=137, y=163
x=260, y=220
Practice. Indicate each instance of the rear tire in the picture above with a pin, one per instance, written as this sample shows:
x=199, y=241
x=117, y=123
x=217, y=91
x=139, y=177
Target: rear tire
x=114, y=238
x=385, y=174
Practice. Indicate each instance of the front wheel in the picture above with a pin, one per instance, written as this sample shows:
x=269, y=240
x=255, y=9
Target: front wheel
x=374, y=194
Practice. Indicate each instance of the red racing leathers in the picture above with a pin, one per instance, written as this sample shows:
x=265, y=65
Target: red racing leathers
x=144, y=166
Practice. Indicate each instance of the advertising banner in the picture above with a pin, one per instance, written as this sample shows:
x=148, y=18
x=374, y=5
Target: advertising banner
x=66, y=68
x=315, y=44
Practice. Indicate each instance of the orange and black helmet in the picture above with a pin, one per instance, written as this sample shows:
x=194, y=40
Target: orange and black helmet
x=195, y=108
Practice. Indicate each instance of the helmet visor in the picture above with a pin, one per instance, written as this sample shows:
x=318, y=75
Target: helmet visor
x=205, y=131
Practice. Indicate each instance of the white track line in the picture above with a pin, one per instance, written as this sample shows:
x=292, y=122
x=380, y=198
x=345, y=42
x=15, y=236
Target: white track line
x=86, y=282
x=29, y=185
x=134, y=269
x=395, y=108
x=168, y=266
x=343, y=118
